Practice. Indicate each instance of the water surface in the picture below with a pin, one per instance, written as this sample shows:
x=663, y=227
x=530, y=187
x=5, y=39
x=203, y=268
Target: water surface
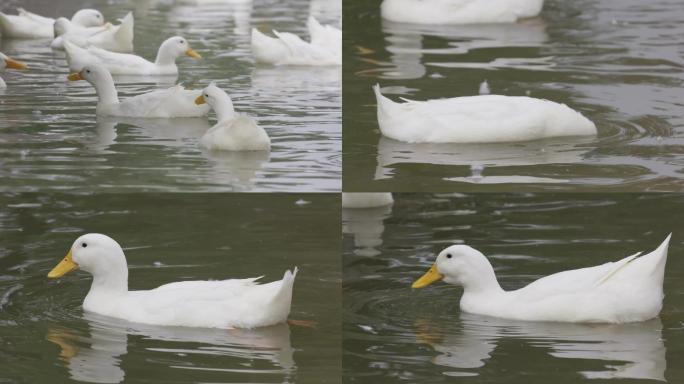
x=395, y=334
x=45, y=336
x=50, y=138
x=618, y=62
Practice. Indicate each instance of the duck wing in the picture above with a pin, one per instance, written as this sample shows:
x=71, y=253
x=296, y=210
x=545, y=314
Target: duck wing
x=164, y=103
x=573, y=281
x=118, y=63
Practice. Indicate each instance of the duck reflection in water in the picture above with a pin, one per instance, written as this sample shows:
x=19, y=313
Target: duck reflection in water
x=638, y=346
x=365, y=221
x=408, y=44
x=476, y=158
x=96, y=356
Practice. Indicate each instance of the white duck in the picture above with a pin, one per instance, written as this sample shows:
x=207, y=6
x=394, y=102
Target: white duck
x=129, y=64
x=233, y=131
x=7, y=62
x=164, y=103
x=366, y=199
x=624, y=291
x=459, y=11
x=27, y=25
x=64, y=27
x=324, y=49
x=115, y=38
x=235, y=303
x=478, y=119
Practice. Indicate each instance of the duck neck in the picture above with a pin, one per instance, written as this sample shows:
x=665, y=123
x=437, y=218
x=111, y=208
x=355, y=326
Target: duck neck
x=105, y=89
x=110, y=281
x=482, y=281
x=223, y=107
x=165, y=57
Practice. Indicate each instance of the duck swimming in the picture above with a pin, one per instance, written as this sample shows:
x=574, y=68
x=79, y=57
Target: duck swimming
x=163, y=103
x=27, y=25
x=115, y=38
x=459, y=11
x=628, y=290
x=235, y=303
x=325, y=48
x=233, y=131
x=129, y=64
x=478, y=119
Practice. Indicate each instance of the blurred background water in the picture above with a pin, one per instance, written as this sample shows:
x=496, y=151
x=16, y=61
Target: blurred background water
x=50, y=138
x=45, y=337
x=394, y=334
x=619, y=62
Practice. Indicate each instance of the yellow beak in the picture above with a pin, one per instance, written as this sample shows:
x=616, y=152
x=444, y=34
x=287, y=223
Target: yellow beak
x=192, y=53
x=428, y=278
x=11, y=63
x=65, y=266
x=75, y=76
x=200, y=100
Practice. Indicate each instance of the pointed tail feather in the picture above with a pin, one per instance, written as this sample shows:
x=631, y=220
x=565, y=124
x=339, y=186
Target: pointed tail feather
x=284, y=294
x=124, y=34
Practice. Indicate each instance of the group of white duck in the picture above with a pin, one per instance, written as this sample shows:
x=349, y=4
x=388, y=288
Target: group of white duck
x=96, y=50
x=484, y=118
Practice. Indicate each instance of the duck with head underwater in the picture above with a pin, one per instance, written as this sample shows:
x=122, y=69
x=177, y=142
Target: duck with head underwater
x=625, y=291
x=235, y=303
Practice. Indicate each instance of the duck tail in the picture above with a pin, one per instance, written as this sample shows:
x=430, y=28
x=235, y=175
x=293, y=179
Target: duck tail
x=124, y=34
x=284, y=295
x=385, y=105
x=661, y=256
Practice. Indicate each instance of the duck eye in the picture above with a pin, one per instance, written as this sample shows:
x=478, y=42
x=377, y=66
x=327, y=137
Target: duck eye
x=84, y=245
x=206, y=95
x=448, y=255
x=182, y=42
x=87, y=70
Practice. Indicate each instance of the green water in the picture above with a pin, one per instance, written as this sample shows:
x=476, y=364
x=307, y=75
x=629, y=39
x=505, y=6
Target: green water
x=50, y=138
x=395, y=334
x=617, y=62
x=46, y=337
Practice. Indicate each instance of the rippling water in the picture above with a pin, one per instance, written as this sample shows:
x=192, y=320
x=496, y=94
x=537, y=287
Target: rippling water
x=51, y=139
x=618, y=62
x=46, y=337
x=395, y=334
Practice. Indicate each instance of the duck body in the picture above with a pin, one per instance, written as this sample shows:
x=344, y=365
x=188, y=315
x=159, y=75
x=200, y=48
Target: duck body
x=27, y=25
x=625, y=291
x=165, y=103
x=459, y=11
x=240, y=133
x=478, y=119
x=65, y=28
x=233, y=131
x=115, y=38
x=235, y=303
x=129, y=64
x=325, y=48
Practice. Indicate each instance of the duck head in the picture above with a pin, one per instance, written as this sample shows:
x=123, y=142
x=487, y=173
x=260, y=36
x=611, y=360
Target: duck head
x=94, y=253
x=100, y=78
x=174, y=47
x=8, y=62
x=460, y=265
x=91, y=73
x=218, y=100
x=88, y=18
